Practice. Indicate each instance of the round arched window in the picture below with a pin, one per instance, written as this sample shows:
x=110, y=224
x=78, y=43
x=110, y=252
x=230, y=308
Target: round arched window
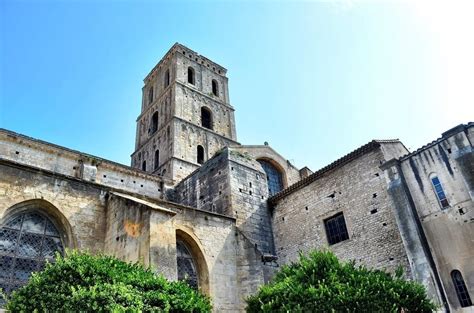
x=274, y=177
x=27, y=240
x=186, y=265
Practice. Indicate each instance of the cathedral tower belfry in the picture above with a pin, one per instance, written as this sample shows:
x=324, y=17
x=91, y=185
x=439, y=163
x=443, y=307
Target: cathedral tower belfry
x=186, y=116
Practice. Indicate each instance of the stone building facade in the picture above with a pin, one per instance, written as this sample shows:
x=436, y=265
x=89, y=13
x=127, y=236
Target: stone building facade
x=197, y=205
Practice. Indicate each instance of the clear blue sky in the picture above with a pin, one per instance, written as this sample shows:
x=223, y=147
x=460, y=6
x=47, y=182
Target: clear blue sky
x=314, y=79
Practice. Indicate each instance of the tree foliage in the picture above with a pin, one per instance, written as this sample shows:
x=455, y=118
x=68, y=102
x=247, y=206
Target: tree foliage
x=86, y=283
x=320, y=283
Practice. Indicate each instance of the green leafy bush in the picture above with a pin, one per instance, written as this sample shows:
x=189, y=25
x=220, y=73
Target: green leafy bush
x=86, y=283
x=320, y=283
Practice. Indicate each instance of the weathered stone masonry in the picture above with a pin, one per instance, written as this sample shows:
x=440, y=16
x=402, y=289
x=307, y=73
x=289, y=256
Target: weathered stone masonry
x=439, y=238
x=192, y=184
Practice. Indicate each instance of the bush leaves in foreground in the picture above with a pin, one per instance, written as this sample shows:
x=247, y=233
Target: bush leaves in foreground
x=86, y=283
x=320, y=283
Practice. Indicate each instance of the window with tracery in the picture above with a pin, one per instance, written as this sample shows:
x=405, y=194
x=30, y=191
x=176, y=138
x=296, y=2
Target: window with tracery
x=186, y=265
x=27, y=241
x=461, y=289
x=274, y=177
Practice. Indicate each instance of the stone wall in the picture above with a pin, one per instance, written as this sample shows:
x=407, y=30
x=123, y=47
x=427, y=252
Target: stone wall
x=49, y=157
x=291, y=174
x=186, y=139
x=128, y=229
x=234, y=184
x=355, y=186
x=95, y=217
x=249, y=194
x=77, y=208
x=188, y=103
x=445, y=229
x=215, y=236
x=208, y=188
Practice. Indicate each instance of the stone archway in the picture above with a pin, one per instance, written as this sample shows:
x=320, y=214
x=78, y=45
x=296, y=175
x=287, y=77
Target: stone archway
x=192, y=244
x=31, y=233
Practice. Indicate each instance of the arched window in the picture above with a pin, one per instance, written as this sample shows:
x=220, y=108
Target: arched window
x=274, y=177
x=191, y=75
x=206, y=118
x=27, y=240
x=157, y=159
x=144, y=166
x=150, y=95
x=167, y=78
x=215, y=88
x=186, y=265
x=154, y=123
x=443, y=201
x=200, y=154
x=461, y=289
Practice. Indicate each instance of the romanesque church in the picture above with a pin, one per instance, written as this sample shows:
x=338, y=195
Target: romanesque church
x=199, y=206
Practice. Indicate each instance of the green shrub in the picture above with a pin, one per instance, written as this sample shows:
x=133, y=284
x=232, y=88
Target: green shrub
x=320, y=283
x=86, y=283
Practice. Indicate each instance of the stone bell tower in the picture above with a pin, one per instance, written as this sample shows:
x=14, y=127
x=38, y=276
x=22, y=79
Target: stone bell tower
x=186, y=116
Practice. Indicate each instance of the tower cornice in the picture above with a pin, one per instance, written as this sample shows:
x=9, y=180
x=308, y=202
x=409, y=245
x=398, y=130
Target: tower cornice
x=190, y=54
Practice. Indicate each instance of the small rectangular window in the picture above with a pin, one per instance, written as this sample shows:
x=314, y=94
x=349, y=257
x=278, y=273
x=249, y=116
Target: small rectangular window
x=336, y=230
x=443, y=201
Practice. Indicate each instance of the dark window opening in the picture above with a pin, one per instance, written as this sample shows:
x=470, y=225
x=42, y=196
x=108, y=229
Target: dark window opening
x=200, y=154
x=154, y=123
x=150, y=95
x=336, y=230
x=167, y=78
x=215, y=88
x=143, y=166
x=443, y=201
x=191, y=75
x=186, y=266
x=373, y=211
x=27, y=240
x=461, y=289
x=274, y=177
x=157, y=159
x=206, y=118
